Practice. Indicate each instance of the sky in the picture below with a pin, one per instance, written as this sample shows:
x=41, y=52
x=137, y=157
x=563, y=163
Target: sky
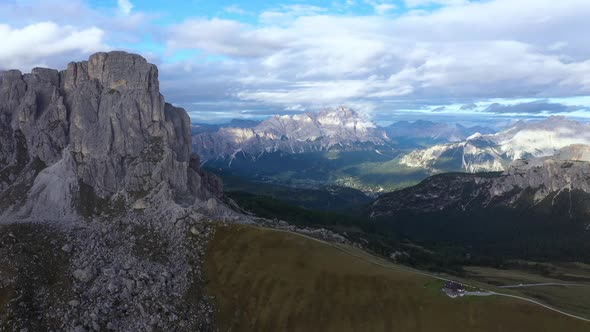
x=486, y=61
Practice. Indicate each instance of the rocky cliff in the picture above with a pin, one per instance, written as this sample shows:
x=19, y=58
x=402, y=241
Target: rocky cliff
x=340, y=128
x=99, y=133
x=104, y=210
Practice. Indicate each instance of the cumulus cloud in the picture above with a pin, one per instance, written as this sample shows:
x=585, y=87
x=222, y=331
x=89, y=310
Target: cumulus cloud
x=296, y=57
x=286, y=14
x=468, y=50
x=381, y=8
x=224, y=37
x=37, y=44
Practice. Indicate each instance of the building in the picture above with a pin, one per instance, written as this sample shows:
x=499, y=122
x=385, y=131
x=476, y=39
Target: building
x=453, y=289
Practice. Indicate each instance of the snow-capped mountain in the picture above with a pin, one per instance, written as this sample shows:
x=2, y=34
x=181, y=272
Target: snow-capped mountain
x=341, y=127
x=494, y=152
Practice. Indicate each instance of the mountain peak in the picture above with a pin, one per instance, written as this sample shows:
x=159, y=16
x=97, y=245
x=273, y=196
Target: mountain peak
x=305, y=132
x=99, y=130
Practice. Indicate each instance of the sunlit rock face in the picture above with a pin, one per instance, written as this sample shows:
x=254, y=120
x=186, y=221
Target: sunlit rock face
x=99, y=129
x=494, y=152
x=330, y=128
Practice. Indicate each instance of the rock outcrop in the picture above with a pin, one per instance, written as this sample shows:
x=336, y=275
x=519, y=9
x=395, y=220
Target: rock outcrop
x=95, y=135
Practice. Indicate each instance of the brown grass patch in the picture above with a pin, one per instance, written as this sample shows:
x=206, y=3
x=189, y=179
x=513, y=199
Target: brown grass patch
x=265, y=280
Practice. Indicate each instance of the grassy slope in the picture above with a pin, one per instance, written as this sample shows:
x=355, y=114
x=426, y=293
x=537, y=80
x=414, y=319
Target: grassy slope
x=266, y=280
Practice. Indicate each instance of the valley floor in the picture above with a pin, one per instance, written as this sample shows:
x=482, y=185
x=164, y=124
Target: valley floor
x=267, y=280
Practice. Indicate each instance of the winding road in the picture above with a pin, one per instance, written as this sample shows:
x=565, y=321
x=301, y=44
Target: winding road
x=544, y=284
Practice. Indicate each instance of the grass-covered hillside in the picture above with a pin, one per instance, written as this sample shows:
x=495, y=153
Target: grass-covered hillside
x=267, y=280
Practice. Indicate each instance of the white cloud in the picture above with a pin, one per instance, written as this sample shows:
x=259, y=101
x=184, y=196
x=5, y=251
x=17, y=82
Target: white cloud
x=125, y=6
x=303, y=56
x=223, y=37
x=287, y=14
x=37, y=44
x=470, y=51
x=384, y=8
x=557, y=46
x=381, y=8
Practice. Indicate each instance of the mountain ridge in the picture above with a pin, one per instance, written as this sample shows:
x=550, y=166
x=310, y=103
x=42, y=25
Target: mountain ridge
x=536, y=179
x=307, y=132
x=494, y=152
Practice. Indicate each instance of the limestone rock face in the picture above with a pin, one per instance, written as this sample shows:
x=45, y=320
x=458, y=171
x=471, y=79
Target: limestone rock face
x=99, y=132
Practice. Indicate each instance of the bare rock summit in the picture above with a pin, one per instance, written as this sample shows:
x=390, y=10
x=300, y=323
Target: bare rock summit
x=93, y=138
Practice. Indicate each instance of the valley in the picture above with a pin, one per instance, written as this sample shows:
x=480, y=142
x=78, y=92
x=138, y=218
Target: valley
x=436, y=198
x=367, y=171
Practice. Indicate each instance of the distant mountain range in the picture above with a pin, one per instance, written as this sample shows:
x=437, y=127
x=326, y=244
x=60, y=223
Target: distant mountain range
x=527, y=182
x=494, y=152
x=538, y=209
x=340, y=147
x=340, y=128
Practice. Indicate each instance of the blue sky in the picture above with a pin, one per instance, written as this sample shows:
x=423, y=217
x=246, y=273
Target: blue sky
x=448, y=60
